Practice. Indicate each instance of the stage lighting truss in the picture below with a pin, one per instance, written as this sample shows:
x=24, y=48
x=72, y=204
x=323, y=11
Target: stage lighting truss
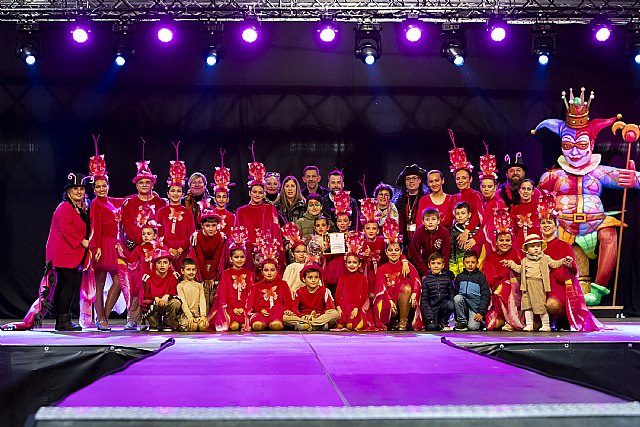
x=124, y=42
x=28, y=46
x=454, y=44
x=213, y=49
x=632, y=42
x=543, y=42
x=368, y=42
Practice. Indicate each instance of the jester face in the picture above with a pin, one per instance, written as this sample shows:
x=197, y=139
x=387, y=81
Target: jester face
x=576, y=147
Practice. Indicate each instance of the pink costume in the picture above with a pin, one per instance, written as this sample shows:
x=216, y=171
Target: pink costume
x=389, y=283
x=525, y=221
x=233, y=293
x=274, y=297
x=352, y=292
x=177, y=227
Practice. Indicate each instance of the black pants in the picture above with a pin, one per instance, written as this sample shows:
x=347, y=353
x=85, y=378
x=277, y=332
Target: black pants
x=68, y=284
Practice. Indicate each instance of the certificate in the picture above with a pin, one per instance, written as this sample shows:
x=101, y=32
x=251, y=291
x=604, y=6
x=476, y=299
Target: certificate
x=337, y=243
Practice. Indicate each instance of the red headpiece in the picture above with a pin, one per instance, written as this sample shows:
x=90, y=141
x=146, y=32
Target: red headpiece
x=177, y=170
x=342, y=203
x=143, y=169
x=267, y=247
x=310, y=266
x=355, y=242
x=145, y=213
x=458, y=157
x=391, y=231
x=502, y=221
x=291, y=232
x=488, y=166
x=239, y=237
x=206, y=211
x=222, y=176
x=97, y=165
x=547, y=204
x=257, y=171
x=369, y=211
x=160, y=251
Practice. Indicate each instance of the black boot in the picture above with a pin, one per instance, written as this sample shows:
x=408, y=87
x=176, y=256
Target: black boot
x=64, y=323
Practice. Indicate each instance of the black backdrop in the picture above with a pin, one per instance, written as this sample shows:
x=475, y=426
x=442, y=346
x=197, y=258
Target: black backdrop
x=300, y=103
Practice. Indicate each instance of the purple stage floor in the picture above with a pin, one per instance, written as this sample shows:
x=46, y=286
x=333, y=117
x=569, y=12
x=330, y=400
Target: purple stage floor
x=321, y=369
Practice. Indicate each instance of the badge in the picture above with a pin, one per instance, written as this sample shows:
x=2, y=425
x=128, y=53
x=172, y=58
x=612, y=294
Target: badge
x=411, y=227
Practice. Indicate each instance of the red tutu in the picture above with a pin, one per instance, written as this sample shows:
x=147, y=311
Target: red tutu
x=275, y=313
x=109, y=259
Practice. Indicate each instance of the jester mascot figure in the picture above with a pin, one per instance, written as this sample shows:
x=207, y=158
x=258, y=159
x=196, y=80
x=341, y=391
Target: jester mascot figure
x=578, y=183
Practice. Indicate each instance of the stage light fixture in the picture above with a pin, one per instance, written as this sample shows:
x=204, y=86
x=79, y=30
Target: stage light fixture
x=213, y=44
x=124, y=42
x=368, y=42
x=250, y=30
x=80, y=33
x=632, y=42
x=165, y=33
x=601, y=29
x=412, y=29
x=327, y=30
x=497, y=28
x=454, y=44
x=28, y=42
x=543, y=42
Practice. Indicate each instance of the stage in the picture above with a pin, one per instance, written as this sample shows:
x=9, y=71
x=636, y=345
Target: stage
x=348, y=378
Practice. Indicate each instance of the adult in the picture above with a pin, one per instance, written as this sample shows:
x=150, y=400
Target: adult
x=336, y=183
x=515, y=171
x=290, y=204
x=565, y=303
x=410, y=182
x=67, y=247
x=311, y=178
x=491, y=201
x=196, y=192
x=525, y=214
x=437, y=199
x=504, y=311
x=272, y=187
x=385, y=207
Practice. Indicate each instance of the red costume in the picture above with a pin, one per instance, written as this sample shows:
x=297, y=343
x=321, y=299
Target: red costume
x=208, y=254
x=505, y=290
x=445, y=209
x=352, y=292
x=488, y=228
x=64, y=244
x=135, y=215
x=377, y=257
x=177, y=227
x=139, y=261
x=425, y=242
x=105, y=219
x=156, y=286
x=305, y=302
x=525, y=217
x=389, y=283
x=227, y=220
x=233, y=292
x=274, y=296
x=334, y=270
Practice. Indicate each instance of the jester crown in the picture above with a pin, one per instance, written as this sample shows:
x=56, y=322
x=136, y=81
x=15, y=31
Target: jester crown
x=391, y=231
x=177, y=170
x=221, y=177
x=577, y=110
x=458, y=157
x=97, y=165
x=502, y=221
x=547, y=204
x=488, y=166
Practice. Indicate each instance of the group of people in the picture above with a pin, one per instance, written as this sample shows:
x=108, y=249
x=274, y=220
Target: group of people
x=308, y=257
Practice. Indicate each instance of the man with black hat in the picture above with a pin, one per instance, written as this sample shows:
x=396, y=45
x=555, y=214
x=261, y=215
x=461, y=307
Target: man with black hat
x=410, y=181
x=515, y=171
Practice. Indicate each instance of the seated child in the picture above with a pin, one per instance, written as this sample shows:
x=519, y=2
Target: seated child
x=436, y=301
x=462, y=214
x=428, y=239
x=472, y=295
x=191, y=293
x=230, y=312
x=208, y=245
x=160, y=291
x=534, y=280
x=298, y=253
x=352, y=294
x=313, y=307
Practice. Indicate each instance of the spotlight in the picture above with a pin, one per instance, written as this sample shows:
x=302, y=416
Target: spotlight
x=213, y=44
x=165, y=33
x=251, y=30
x=368, y=42
x=601, y=28
x=632, y=42
x=497, y=28
x=80, y=34
x=327, y=30
x=28, y=42
x=454, y=44
x=124, y=46
x=543, y=42
x=412, y=29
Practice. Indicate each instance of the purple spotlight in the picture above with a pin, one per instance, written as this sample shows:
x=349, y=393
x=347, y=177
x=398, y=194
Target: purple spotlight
x=413, y=33
x=80, y=35
x=250, y=33
x=328, y=34
x=603, y=33
x=165, y=35
x=497, y=30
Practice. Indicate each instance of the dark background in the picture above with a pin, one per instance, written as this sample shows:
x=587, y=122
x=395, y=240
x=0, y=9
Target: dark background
x=301, y=104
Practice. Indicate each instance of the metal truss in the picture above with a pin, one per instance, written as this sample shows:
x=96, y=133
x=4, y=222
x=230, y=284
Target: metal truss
x=516, y=11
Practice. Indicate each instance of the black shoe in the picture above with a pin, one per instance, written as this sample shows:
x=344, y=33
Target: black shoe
x=64, y=324
x=460, y=327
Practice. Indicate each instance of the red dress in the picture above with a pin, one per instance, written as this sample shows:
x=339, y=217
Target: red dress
x=131, y=213
x=227, y=220
x=233, y=292
x=377, y=257
x=335, y=269
x=305, y=302
x=445, y=209
x=177, y=228
x=389, y=283
x=352, y=292
x=505, y=290
x=64, y=244
x=524, y=215
x=259, y=217
x=104, y=223
x=274, y=296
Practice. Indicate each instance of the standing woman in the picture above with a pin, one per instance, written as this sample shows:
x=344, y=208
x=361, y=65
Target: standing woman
x=67, y=247
x=197, y=191
x=290, y=204
x=104, y=241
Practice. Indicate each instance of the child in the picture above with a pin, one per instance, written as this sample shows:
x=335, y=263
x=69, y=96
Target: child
x=313, y=307
x=335, y=266
x=428, y=239
x=298, y=249
x=534, y=280
x=374, y=253
x=352, y=293
x=208, y=244
x=178, y=224
x=397, y=284
x=222, y=182
x=307, y=221
x=270, y=298
x=436, y=301
x=321, y=228
x=492, y=202
x=472, y=295
x=191, y=293
x=462, y=213
x=230, y=310
x=160, y=291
